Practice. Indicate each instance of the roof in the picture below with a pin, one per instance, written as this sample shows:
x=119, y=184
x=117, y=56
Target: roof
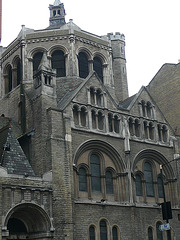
x=57, y=2
x=12, y=156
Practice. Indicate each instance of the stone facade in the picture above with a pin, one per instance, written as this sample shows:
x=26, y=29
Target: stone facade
x=92, y=153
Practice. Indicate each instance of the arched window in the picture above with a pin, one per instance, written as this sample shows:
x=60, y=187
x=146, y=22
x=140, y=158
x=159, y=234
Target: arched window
x=18, y=72
x=131, y=126
x=93, y=115
x=82, y=180
x=92, y=95
x=138, y=183
x=137, y=125
x=98, y=67
x=99, y=97
x=159, y=132
x=103, y=230
x=143, y=108
x=115, y=233
x=116, y=124
x=150, y=233
x=58, y=63
x=10, y=79
x=164, y=133
x=83, y=116
x=110, y=122
x=158, y=232
x=148, y=175
x=149, y=107
x=146, y=130
x=95, y=173
x=151, y=131
x=109, y=182
x=83, y=65
x=100, y=121
x=76, y=115
x=160, y=187
x=37, y=60
x=92, y=233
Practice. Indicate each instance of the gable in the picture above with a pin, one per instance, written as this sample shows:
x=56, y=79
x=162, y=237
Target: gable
x=93, y=88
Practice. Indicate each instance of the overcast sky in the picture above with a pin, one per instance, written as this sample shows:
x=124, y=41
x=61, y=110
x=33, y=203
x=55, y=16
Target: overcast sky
x=151, y=28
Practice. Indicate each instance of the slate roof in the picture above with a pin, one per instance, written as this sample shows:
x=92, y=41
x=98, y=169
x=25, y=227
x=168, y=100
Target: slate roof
x=12, y=155
x=125, y=104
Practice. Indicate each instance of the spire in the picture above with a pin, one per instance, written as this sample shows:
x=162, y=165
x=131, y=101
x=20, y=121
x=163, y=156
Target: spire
x=57, y=14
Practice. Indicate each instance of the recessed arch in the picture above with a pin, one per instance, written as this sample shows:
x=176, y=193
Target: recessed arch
x=103, y=147
x=34, y=51
x=101, y=57
x=31, y=216
x=57, y=48
x=86, y=51
x=155, y=156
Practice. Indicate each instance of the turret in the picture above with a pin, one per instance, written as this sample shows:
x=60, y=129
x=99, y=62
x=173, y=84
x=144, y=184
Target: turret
x=119, y=65
x=57, y=14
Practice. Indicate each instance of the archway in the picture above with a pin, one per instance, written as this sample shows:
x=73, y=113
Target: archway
x=27, y=221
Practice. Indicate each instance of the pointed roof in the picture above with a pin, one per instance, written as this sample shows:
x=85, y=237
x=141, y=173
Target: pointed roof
x=44, y=64
x=71, y=94
x=57, y=2
x=13, y=157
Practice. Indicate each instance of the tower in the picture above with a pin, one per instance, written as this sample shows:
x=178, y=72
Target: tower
x=57, y=14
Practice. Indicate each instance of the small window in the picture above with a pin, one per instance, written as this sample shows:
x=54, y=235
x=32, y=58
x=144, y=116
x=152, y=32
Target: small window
x=137, y=126
x=92, y=95
x=92, y=233
x=93, y=115
x=149, y=109
x=100, y=121
x=18, y=73
x=143, y=108
x=115, y=233
x=58, y=63
x=110, y=122
x=131, y=126
x=103, y=230
x=98, y=67
x=149, y=179
x=95, y=173
x=150, y=233
x=109, y=183
x=37, y=60
x=146, y=130
x=164, y=133
x=116, y=124
x=151, y=131
x=99, y=97
x=82, y=180
x=138, y=183
x=10, y=79
x=158, y=232
x=76, y=115
x=83, y=117
x=83, y=65
x=159, y=132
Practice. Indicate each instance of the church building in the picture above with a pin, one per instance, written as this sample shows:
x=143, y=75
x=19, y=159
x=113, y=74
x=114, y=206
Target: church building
x=79, y=158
